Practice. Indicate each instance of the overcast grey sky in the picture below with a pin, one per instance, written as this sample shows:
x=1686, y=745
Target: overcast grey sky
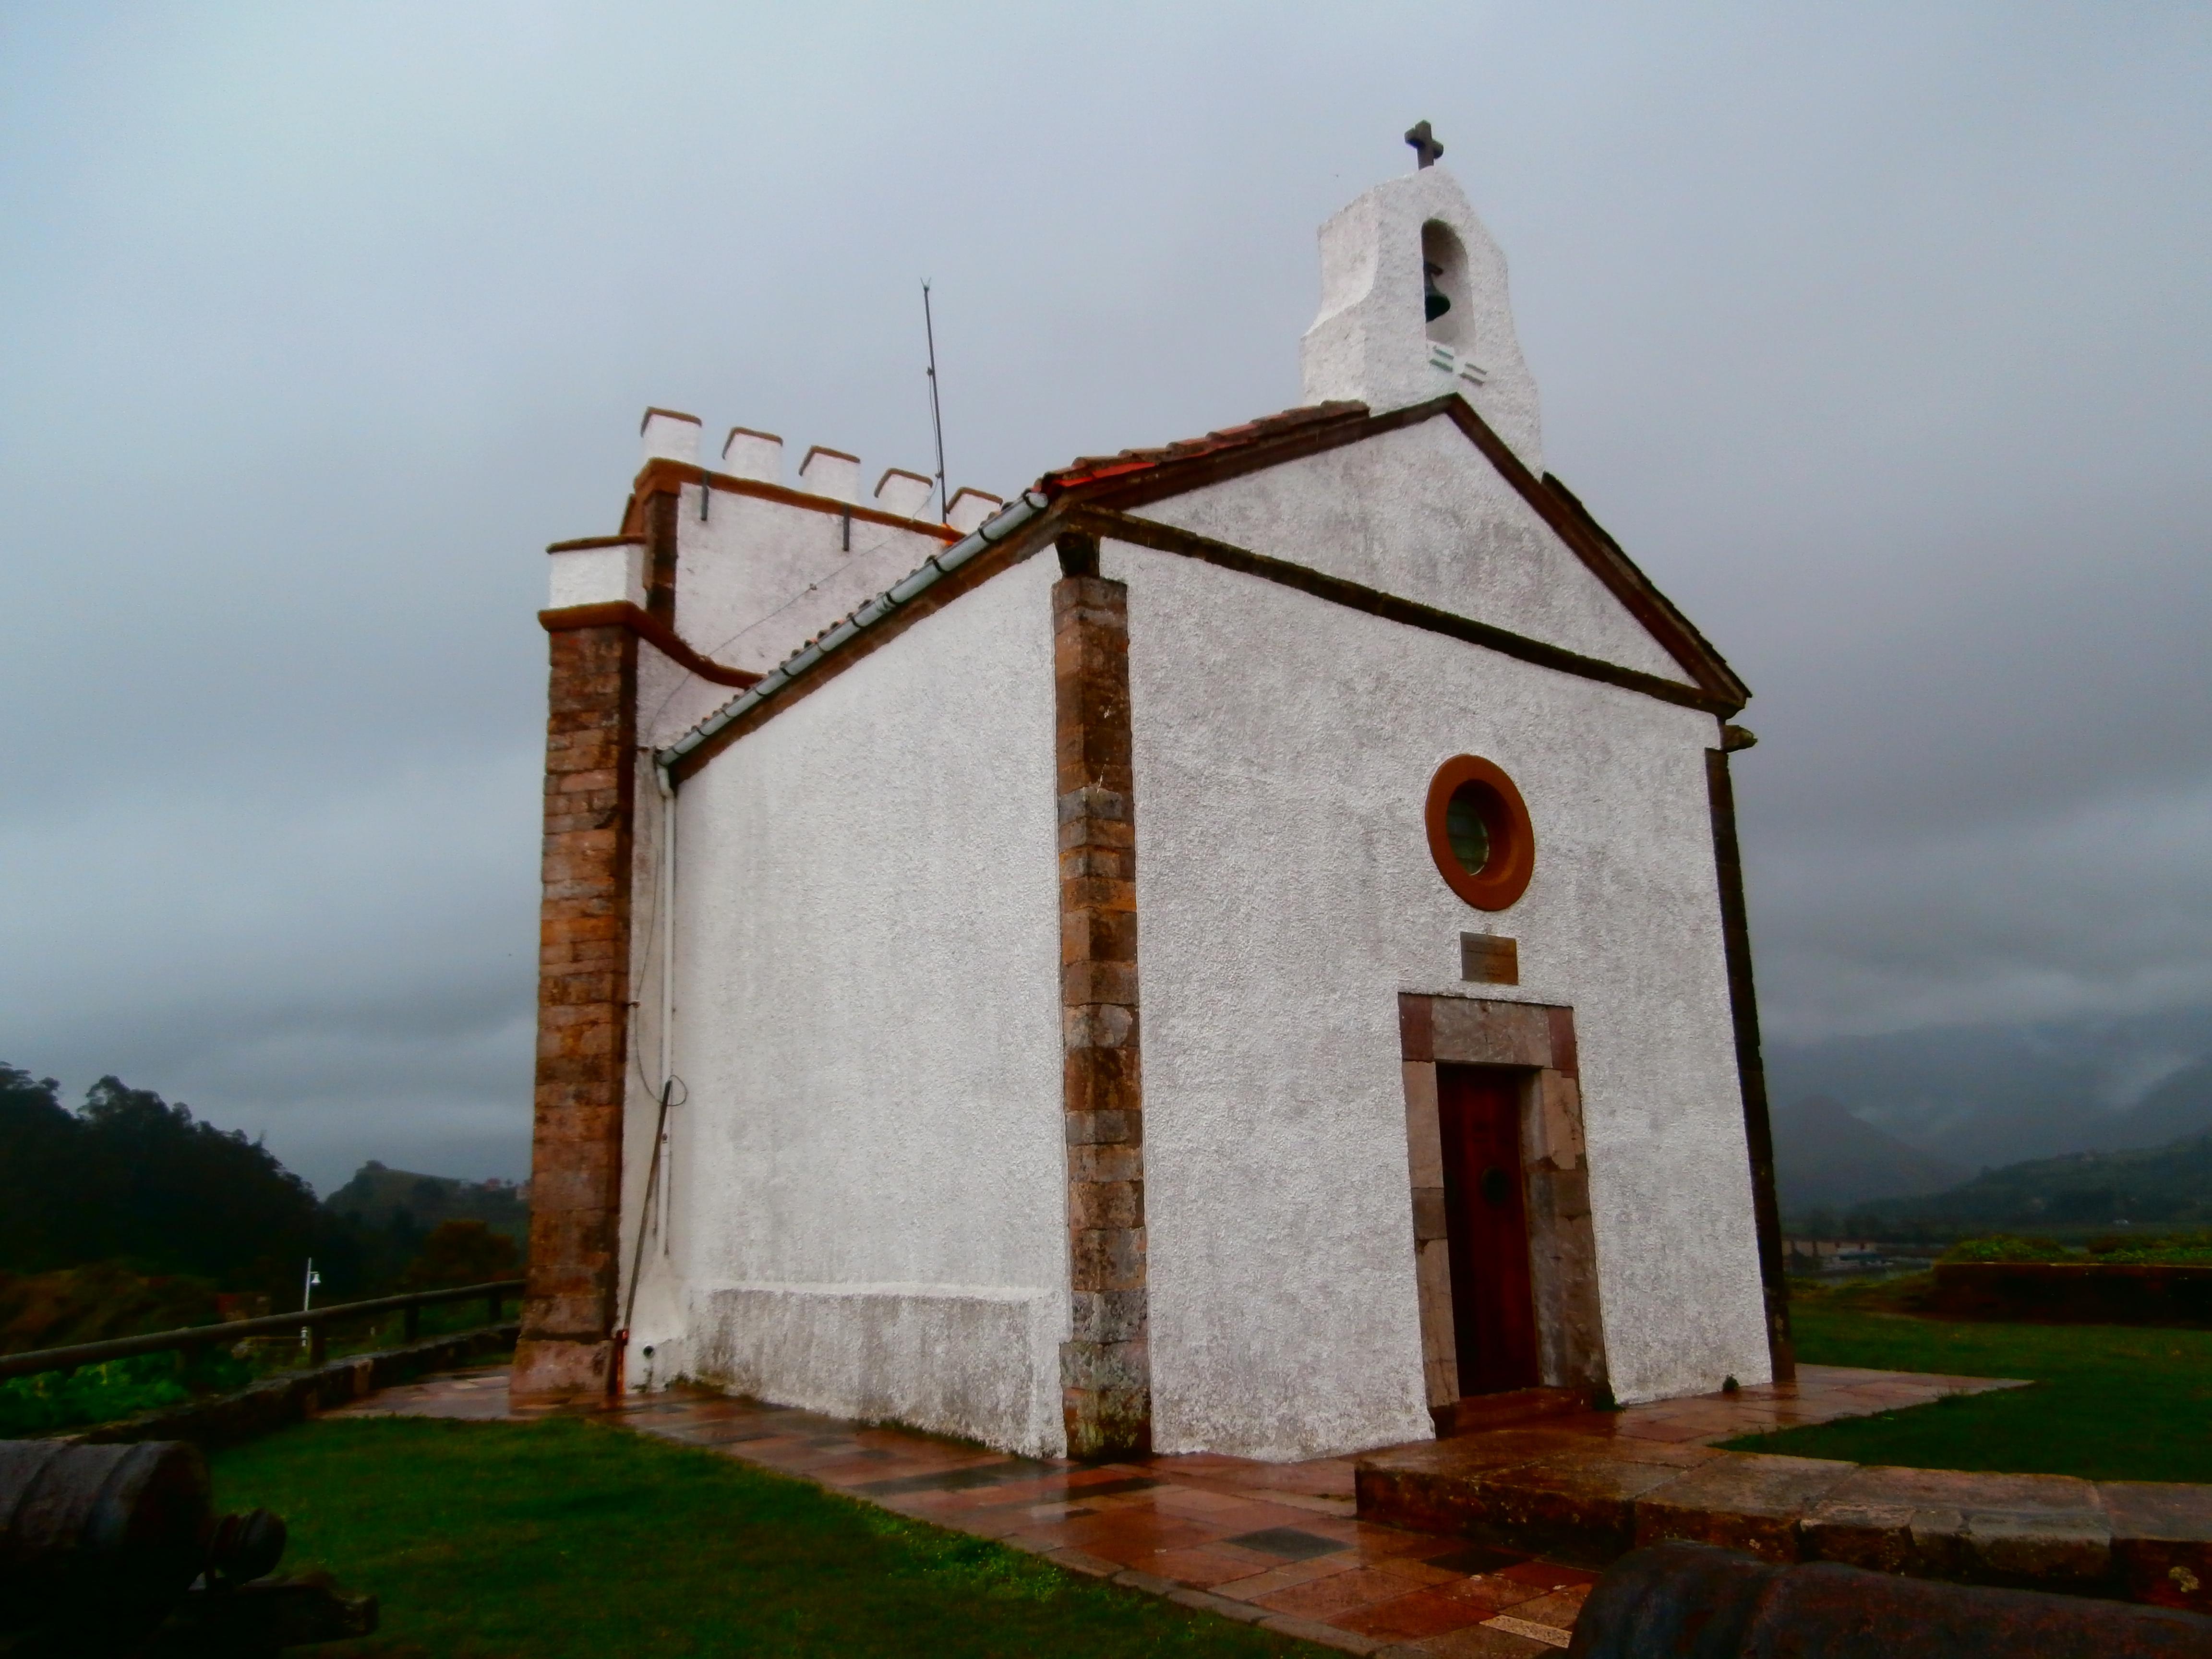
x=1878, y=334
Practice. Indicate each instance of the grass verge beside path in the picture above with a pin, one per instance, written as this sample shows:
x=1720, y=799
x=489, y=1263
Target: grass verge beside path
x=544, y=1540
x=2110, y=1402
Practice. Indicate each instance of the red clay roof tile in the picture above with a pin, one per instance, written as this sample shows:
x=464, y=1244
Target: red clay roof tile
x=1097, y=469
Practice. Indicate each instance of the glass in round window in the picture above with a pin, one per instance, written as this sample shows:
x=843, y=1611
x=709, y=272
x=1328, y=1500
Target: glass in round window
x=1467, y=828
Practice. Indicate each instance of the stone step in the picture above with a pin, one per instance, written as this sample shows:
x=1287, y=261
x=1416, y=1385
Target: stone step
x=1587, y=1500
x=1478, y=1414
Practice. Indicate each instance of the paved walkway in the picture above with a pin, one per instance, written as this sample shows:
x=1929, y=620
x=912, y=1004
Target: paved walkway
x=1821, y=1394
x=1275, y=1544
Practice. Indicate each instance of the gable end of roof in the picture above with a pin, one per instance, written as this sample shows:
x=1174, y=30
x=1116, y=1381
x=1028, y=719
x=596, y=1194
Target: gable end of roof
x=1136, y=478
x=1696, y=652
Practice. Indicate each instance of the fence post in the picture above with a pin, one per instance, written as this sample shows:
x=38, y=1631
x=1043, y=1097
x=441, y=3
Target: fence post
x=413, y=1317
x=319, y=1344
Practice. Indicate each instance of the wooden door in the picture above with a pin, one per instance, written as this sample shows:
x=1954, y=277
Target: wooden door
x=1494, y=1304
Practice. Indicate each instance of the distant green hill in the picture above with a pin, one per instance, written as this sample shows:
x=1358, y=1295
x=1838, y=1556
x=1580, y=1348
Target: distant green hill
x=404, y=1201
x=2159, y=1185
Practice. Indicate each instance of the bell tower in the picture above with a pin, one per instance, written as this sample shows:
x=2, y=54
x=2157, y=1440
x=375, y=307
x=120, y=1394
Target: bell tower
x=1413, y=306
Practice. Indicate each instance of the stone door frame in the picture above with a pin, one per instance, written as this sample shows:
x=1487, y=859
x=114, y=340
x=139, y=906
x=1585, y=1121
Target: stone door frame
x=1538, y=1040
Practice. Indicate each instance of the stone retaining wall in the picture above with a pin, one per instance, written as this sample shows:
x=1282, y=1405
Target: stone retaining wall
x=275, y=1402
x=1572, y=1497
x=2075, y=1293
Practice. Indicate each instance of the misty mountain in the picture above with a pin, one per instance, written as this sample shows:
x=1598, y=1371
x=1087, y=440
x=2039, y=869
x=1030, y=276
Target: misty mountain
x=2180, y=1107
x=1982, y=1096
x=1826, y=1159
x=2167, y=1184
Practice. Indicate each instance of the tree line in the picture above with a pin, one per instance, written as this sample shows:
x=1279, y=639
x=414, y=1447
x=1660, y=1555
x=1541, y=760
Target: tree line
x=130, y=1179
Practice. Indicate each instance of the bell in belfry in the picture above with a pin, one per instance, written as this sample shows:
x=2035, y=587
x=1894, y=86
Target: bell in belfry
x=1434, y=299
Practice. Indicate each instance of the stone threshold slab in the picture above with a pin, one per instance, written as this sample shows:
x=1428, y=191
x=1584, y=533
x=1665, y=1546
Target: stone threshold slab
x=1571, y=1498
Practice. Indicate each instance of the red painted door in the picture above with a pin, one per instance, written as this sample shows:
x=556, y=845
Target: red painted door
x=1493, y=1304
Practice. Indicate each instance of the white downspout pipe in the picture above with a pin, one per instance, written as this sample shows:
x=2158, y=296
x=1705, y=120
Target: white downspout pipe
x=667, y=901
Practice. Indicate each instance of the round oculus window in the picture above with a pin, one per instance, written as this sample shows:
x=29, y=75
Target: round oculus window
x=1478, y=832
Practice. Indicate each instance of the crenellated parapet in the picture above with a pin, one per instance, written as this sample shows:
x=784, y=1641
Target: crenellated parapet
x=744, y=557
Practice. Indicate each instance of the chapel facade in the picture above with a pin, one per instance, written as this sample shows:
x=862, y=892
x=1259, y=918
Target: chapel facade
x=1239, y=949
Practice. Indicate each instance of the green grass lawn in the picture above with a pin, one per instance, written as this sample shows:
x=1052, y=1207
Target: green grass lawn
x=2110, y=1402
x=571, y=1538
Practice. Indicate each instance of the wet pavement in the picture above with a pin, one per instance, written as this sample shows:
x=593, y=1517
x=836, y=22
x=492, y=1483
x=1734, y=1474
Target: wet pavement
x=1279, y=1545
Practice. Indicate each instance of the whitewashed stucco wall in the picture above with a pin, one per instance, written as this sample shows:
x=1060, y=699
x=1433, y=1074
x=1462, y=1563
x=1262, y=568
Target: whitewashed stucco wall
x=756, y=578
x=870, y=1173
x=1420, y=512
x=1284, y=747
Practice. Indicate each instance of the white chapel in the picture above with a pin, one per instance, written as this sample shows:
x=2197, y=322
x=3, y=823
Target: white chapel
x=1239, y=947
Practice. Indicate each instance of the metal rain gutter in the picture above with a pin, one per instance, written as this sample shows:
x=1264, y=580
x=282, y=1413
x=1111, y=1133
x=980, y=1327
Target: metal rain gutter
x=994, y=531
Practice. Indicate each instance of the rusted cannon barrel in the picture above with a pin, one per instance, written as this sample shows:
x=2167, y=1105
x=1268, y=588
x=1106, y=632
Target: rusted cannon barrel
x=1695, y=1601
x=114, y=1532
x=115, y=1553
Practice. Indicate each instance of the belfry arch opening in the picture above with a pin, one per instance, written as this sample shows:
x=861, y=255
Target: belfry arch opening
x=1444, y=272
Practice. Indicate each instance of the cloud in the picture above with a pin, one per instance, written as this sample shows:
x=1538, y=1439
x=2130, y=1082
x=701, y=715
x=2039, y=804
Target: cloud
x=1988, y=793
x=2091, y=909
x=1878, y=336
x=337, y=969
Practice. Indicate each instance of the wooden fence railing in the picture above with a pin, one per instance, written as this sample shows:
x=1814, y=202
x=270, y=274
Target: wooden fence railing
x=316, y=1321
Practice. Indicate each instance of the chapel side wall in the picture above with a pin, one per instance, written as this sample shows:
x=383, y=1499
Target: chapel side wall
x=871, y=1211
x=1285, y=898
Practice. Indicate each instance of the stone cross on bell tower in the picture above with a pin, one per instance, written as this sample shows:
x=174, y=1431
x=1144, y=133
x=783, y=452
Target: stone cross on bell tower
x=1413, y=306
